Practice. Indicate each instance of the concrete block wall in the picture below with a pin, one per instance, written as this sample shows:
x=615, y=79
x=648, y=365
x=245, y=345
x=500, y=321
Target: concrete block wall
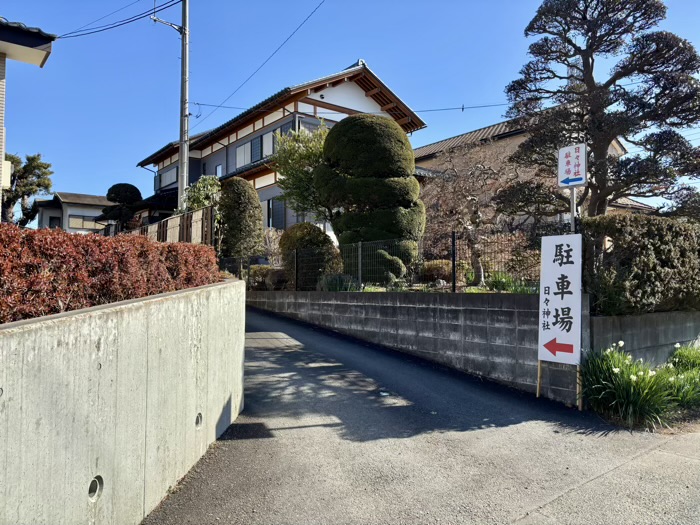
x=491, y=335
x=132, y=392
x=651, y=337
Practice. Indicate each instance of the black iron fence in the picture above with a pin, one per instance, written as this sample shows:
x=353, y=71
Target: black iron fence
x=456, y=262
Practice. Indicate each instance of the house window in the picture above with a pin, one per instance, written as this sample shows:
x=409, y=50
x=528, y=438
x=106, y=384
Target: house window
x=219, y=170
x=204, y=168
x=169, y=177
x=268, y=144
x=286, y=128
x=243, y=155
x=82, y=222
x=276, y=211
x=54, y=222
x=256, y=149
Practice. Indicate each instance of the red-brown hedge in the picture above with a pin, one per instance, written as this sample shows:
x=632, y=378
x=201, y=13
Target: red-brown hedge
x=44, y=272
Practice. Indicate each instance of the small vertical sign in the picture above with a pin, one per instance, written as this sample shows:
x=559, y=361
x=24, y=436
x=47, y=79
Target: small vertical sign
x=560, y=300
x=572, y=166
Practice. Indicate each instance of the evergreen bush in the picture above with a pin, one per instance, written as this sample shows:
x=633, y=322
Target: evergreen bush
x=308, y=254
x=367, y=176
x=241, y=219
x=638, y=264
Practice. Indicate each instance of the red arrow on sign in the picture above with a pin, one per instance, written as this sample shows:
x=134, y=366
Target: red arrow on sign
x=555, y=347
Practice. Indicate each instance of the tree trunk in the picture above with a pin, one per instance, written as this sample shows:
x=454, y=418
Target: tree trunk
x=475, y=258
x=7, y=214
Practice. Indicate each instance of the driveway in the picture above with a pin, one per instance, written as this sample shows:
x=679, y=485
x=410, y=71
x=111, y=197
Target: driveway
x=338, y=432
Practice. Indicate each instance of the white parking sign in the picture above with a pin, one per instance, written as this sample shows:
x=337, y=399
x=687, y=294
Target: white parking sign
x=560, y=300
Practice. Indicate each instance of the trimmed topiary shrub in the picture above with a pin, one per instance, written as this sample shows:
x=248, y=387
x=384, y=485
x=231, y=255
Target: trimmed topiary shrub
x=307, y=254
x=338, y=283
x=241, y=219
x=431, y=271
x=369, y=146
x=367, y=176
x=47, y=271
x=257, y=276
x=638, y=264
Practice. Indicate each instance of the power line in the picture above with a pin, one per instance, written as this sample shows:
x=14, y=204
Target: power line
x=114, y=25
x=261, y=65
x=101, y=18
x=456, y=108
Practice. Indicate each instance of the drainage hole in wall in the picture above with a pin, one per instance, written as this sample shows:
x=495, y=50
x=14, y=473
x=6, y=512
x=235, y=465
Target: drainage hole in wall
x=95, y=488
x=99, y=366
x=0, y=392
x=198, y=420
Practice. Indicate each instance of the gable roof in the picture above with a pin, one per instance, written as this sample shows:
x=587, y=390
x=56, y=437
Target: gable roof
x=359, y=73
x=82, y=199
x=493, y=132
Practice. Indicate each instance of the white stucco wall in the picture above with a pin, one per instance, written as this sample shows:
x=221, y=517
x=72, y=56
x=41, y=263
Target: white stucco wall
x=349, y=95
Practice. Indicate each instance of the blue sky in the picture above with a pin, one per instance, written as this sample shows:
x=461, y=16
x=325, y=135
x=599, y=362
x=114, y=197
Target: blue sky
x=104, y=102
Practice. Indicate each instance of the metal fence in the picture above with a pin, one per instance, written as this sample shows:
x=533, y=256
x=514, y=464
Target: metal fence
x=195, y=227
x=455, y=262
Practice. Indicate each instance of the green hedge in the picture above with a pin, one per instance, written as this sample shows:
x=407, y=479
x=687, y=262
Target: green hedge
x=369, y=146
x=308, y=253
x=638, y=264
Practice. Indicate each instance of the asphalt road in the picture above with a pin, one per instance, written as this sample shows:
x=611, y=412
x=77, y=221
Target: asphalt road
x=337, y=432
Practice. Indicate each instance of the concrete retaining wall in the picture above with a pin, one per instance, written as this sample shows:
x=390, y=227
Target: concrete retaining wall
x=491, y=335
x=132, y=392
x=650, y=336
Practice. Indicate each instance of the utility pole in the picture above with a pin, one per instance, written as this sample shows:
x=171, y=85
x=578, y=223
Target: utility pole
x=184, y=153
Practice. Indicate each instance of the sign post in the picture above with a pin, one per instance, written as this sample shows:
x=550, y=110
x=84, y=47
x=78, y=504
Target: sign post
x=560, y=303
x=572, y=173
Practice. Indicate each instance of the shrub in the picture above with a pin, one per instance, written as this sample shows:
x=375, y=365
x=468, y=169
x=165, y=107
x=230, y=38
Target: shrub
x=686, y=358
x=683, y=385
x=625, y=390
x=308, y=253
x=276, y=279
x=367, y=177
x=369, y=146
x=241, y=219
x=257, y=276
x=638, y=264
x=338, y=283
x=44, y=272
x=431, y=271
x=204, y=192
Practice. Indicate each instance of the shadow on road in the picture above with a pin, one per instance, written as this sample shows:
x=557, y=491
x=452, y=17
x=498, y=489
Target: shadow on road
x=370, y=393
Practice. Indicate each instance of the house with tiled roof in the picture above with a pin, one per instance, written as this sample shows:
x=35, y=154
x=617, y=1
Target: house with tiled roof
x=72, y=212
x=241, y=146
x=504, y=137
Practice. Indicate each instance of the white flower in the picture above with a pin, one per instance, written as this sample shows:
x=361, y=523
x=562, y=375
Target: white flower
x=641, y=360
x=633, y=378
x=672, y=379
x=652, y=373
x=678, y=345
x=620, y=344
x=670, y=365
x=681, y=376
x=616, y=370
x=640, y=373
x=608, y=350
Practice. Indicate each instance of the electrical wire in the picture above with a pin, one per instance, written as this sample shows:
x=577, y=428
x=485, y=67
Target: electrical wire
x=101, y=18
x=457, y=108
x=99, y=29
x=216, y=108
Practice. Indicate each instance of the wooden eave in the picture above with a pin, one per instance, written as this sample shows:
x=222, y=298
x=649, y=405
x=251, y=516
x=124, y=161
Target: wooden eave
x=373, y=87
